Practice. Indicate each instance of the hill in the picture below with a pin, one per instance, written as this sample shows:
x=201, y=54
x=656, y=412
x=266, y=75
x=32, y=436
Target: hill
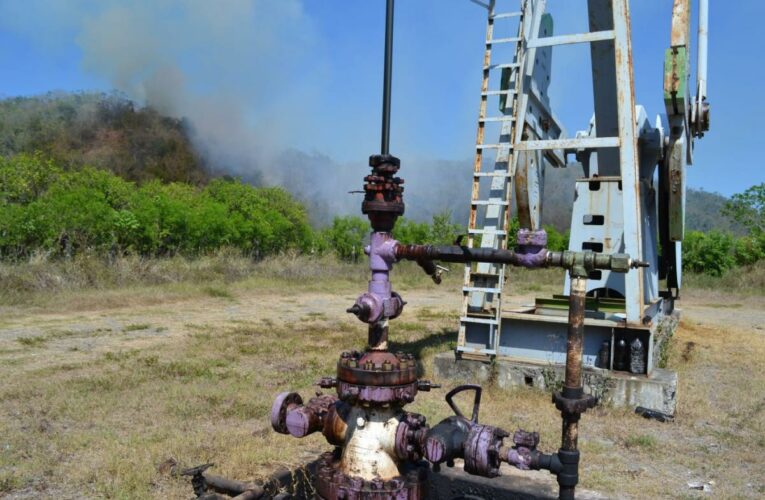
x=111, y=132
x=106, y=131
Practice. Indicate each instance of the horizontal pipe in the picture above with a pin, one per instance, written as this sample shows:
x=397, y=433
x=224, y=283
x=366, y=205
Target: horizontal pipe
x=541, y=257
x=233, y=487
x=454, y=253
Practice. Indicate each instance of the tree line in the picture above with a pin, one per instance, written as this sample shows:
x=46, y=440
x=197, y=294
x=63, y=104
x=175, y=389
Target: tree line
x=60, y=212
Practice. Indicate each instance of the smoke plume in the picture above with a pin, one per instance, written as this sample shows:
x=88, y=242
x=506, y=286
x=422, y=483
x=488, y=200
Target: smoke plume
x=244, y=74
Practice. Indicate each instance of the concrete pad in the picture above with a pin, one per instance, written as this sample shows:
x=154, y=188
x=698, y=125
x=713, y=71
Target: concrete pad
x=656, y=391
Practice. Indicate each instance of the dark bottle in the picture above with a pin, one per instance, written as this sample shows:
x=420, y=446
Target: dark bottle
x=604, y=355
x=620, y=355
x=637, y=356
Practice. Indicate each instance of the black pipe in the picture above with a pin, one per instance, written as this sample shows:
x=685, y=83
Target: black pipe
x=454, y=253
x=233, y=487
x=387, y=76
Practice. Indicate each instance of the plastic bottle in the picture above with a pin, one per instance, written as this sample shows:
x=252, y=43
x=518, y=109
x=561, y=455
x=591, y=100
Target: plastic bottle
x=637, y=356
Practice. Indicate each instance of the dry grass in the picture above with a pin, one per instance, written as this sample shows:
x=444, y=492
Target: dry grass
x=93, y=411
x=747, y=280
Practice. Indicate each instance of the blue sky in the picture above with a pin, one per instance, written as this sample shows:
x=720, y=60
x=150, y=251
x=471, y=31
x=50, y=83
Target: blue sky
x=307, y=74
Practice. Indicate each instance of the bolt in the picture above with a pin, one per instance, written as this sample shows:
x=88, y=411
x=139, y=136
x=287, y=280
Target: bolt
x=360, y=422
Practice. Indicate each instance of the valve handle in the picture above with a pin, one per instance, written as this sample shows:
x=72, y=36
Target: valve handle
x=476, y=400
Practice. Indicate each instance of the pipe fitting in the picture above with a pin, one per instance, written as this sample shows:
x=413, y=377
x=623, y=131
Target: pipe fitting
x=446, y=441
x=290, y=416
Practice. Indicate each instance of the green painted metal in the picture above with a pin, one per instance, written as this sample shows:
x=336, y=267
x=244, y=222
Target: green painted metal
x=675, y=80
x=676, y=189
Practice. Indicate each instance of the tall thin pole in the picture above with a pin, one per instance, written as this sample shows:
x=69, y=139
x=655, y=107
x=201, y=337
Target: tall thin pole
x=385, y=143
x=701, y=65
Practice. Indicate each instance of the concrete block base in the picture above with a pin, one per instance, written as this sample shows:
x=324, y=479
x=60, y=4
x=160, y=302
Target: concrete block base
x=655, y=391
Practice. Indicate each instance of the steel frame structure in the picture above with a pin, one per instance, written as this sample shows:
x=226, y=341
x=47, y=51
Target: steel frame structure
x=630, y=200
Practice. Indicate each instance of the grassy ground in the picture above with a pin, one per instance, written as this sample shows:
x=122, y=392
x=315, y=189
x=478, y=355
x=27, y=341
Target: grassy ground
x=105, y=380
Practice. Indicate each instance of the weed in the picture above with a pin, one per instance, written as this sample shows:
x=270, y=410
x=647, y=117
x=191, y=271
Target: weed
x=688, y=351
x=136, y=326
x=644, y=441
x=217, y=292
x=553, y=382
x=36, y=341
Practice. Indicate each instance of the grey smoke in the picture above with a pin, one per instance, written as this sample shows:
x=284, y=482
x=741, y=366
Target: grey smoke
x=242, y=73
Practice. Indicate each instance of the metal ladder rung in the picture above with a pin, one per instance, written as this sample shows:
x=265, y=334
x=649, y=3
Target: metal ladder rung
x=574, y=143
x=468, y=289
x=483, y=321
x=472, y=350
x=595, y=36
x=505, y=15
x=501, y=66
x=496, y=173
x=489, y=202
x=497, y=92
x=496, y=119
x=512, y=39
x=498, y=232
x=503, y=145
x=484, y=276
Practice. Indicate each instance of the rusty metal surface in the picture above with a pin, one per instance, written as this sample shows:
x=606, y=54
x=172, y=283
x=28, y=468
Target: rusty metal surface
x=370, y=394
x=308, y=419
x=333, y=484
x=681, y=23
x=482, y=447
x=377, y=368
x=282, y=404
x=577, y=299
x=628, y=158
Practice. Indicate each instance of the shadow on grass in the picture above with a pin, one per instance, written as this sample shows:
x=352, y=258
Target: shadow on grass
x=444, y=339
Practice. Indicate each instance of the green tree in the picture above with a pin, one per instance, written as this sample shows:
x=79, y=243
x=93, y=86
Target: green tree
x=25, y=177
x=748, y=209
x=442, y=230
x=346, y=236
x=410, y=232
x=709, y=253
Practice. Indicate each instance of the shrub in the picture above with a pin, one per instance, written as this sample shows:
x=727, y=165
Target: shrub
x=749, y=249
x=346, y=236
x=709, y=253
x=556, y=241
x=43, y=208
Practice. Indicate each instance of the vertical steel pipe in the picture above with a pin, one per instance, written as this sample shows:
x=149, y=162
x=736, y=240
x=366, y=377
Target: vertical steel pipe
x=387, y=76
x=377, y=337
x=701, y=64
x=575, y=343
x=572, y=386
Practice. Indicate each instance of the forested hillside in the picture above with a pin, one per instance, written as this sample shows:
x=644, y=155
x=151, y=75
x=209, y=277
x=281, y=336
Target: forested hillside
x=108, y=131
x=101, y=130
